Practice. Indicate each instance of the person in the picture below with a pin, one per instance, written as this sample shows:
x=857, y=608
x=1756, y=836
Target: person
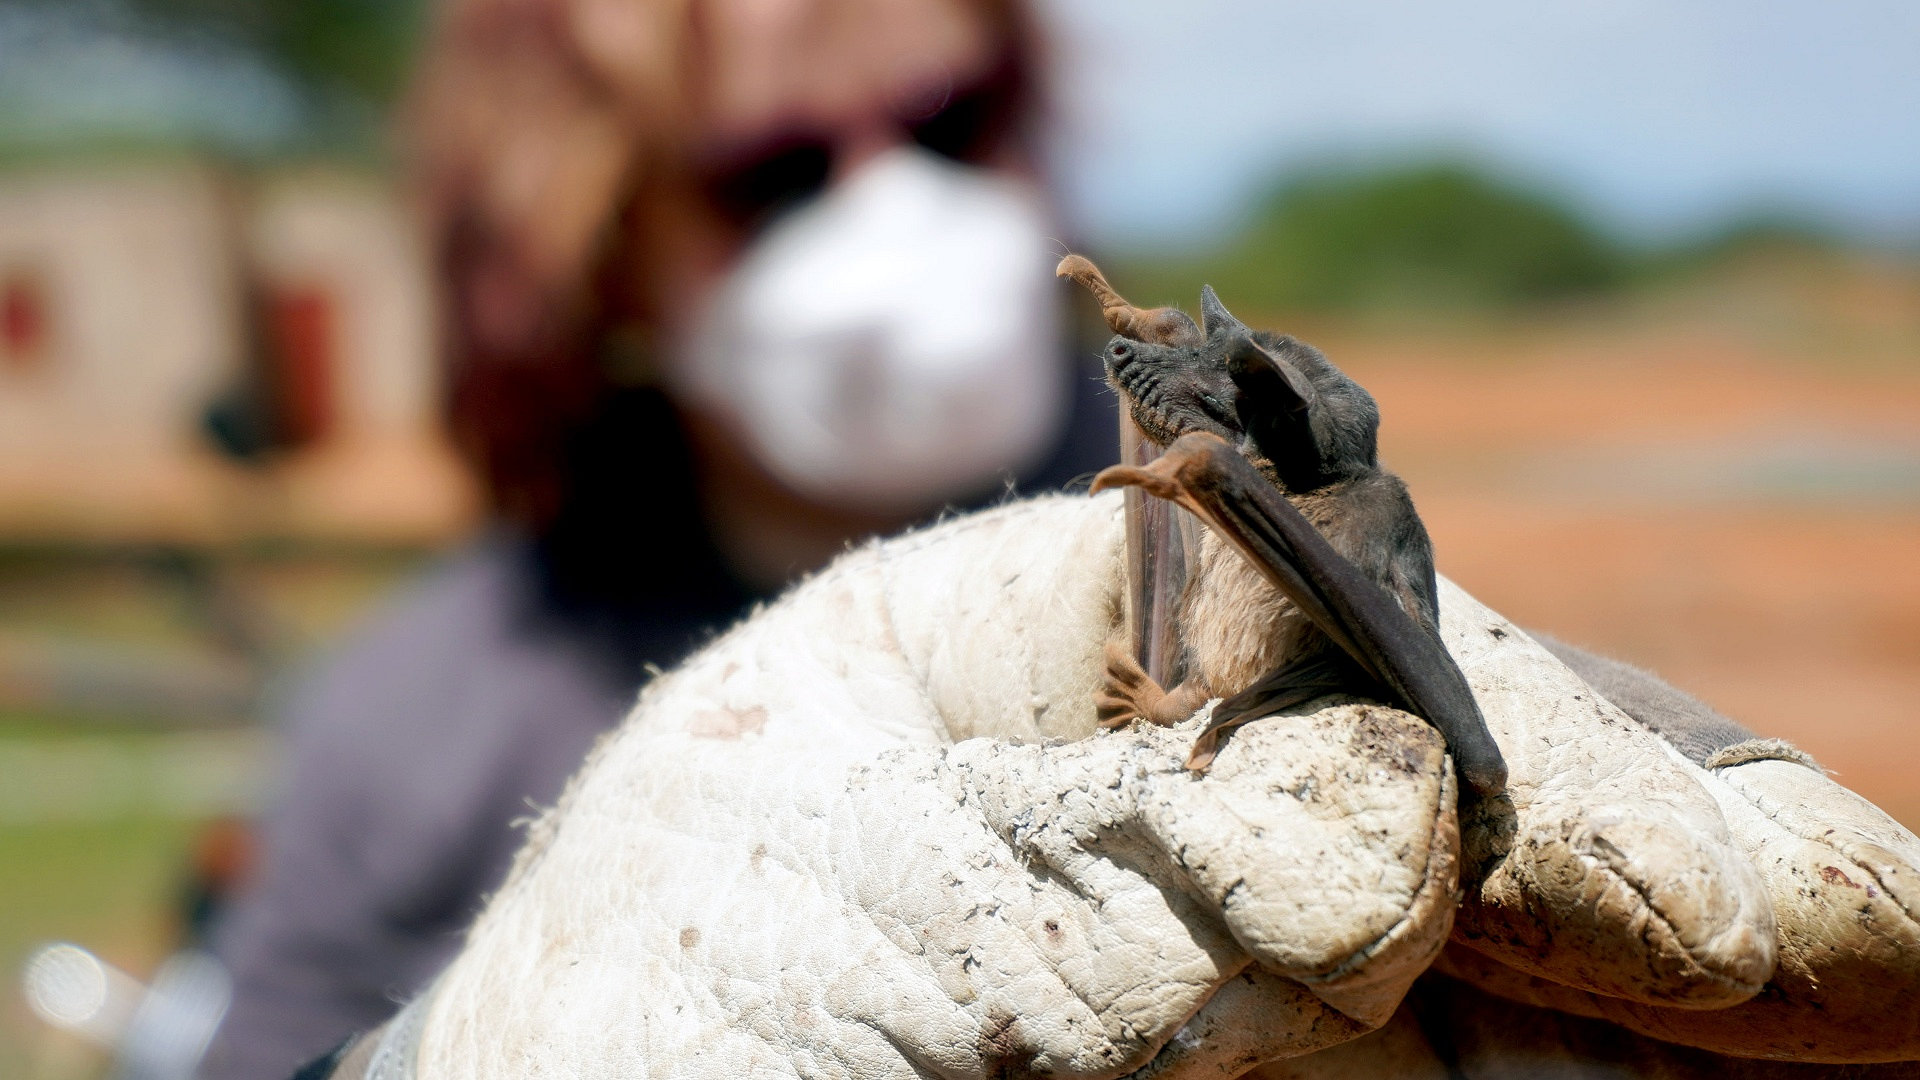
x=651, y=366
x=727, y=284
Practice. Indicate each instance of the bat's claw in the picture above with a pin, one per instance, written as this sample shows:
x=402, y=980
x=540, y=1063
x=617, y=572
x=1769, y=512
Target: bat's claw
x=1152, y=479
x=1171, y=476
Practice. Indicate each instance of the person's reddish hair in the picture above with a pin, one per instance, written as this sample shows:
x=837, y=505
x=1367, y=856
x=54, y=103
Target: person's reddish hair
x=532, y=128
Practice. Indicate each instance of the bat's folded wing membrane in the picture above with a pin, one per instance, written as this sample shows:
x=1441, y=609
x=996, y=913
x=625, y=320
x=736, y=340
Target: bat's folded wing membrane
x=1207, y=476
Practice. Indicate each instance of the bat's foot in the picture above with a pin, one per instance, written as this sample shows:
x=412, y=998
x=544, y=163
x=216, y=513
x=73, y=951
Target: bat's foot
x=1158, y=326
x=1127, y=691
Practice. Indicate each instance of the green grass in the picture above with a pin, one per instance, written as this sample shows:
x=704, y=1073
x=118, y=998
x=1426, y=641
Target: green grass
x=96, y=829
x=99, y=810
x=111, y=885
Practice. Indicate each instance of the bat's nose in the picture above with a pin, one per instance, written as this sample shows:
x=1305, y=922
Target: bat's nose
x=1119, y=351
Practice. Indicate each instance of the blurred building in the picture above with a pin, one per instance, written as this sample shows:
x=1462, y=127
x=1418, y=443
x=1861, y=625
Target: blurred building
x=189, y=354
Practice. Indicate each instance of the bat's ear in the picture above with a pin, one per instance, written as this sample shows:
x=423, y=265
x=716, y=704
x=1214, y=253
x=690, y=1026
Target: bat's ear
x=1273, y=400
x=1215, y=319
x=1270, y=388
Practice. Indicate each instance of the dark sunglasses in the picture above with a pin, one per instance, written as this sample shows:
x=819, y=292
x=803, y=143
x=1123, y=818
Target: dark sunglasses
x=968, y=125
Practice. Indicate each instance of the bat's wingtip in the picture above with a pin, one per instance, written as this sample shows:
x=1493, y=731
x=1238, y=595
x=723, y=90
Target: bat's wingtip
x=1484, y=779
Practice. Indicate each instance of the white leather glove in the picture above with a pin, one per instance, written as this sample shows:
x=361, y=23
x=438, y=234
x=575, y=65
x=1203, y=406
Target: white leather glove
x=837, y=843
x=871, y=832
x=1677, y=878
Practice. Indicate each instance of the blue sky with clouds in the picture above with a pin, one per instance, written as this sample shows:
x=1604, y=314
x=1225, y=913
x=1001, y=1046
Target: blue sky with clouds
x=1659, y=117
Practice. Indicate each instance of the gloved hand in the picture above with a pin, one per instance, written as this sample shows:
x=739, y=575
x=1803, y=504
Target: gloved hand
x=849, y=839
x=1667, y=873
x=1758, y=888
x=867, y=833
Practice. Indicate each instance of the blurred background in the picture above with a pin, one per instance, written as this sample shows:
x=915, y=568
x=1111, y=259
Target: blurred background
x=1637, y=287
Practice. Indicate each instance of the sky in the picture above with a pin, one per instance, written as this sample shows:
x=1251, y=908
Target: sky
x=1661, y=118
x=1658, y=118
x=71, y=70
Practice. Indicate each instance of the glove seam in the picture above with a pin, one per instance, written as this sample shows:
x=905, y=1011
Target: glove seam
x=1773, y=818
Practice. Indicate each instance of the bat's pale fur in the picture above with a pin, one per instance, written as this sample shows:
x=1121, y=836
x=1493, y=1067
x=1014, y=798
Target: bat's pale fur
x=1234, y=624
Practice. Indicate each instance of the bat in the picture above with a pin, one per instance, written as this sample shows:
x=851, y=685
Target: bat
x=1314, y=574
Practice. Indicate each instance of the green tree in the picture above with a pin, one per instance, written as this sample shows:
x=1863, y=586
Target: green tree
x=1441, y=235
x=359, y=49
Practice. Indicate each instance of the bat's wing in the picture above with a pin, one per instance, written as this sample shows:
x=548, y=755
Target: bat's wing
x=1160, y=538
x=1207, y=476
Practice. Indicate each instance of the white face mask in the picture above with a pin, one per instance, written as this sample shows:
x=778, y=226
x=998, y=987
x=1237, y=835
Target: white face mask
x=892, y=344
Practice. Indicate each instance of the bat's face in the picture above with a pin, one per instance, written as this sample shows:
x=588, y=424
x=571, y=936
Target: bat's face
x=1297, y=416
x=1180, y=382
x=1170, y=392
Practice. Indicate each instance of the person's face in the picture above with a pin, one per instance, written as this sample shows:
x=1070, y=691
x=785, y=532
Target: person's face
x=793, y=96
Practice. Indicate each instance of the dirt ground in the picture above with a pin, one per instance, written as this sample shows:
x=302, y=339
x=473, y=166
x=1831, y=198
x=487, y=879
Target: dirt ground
x=1694, y=489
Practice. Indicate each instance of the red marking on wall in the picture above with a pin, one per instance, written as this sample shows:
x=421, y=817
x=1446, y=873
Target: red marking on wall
x=24, y=321
x=303, y=334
